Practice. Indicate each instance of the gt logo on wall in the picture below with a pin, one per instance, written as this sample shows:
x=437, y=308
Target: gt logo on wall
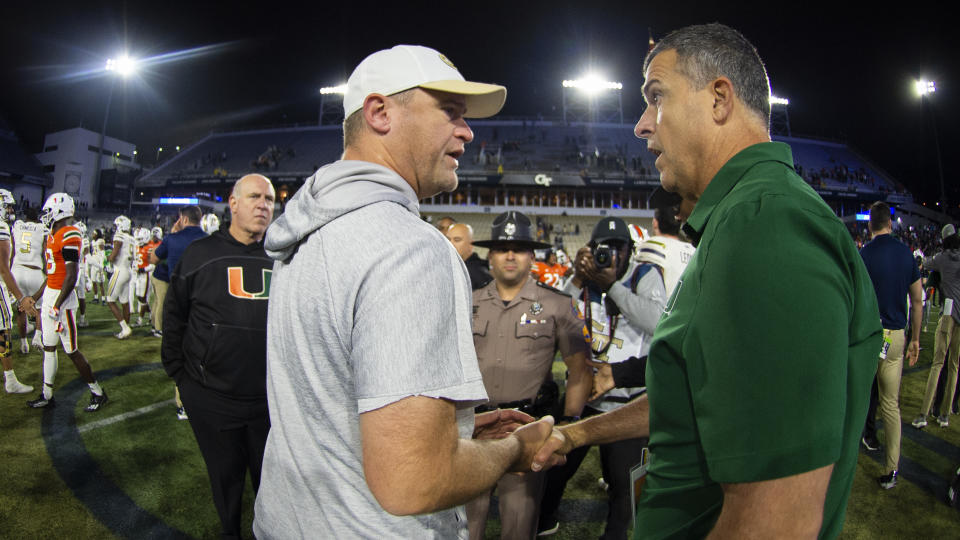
x=237, y=289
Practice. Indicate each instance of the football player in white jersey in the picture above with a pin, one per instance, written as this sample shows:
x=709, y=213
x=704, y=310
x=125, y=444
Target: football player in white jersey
x=28, y=235
x=8, y=285
x=665, y=249
x=97, y=257
x=210, y=223
x=82, y=278
x=118, y=290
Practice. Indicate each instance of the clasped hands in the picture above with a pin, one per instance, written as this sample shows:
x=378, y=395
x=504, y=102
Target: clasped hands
x=543, y=444
x=27, y=305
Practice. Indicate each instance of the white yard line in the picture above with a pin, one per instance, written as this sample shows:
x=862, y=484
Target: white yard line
x=120, y=417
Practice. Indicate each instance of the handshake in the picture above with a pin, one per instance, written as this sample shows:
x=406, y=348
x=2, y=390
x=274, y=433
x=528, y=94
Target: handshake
x=543, y=445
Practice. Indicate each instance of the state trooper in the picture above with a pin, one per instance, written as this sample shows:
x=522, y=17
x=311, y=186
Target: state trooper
x=519, y=325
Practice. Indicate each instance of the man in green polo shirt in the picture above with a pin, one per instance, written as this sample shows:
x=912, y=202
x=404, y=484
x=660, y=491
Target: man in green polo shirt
x=760, y=369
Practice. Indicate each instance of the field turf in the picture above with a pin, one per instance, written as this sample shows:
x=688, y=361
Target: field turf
x=133, y=470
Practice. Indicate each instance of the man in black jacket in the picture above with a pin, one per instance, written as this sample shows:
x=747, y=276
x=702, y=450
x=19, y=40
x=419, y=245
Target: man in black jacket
x=214, y=344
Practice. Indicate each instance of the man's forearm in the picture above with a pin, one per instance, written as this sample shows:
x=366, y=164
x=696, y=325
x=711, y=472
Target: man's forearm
x=628, y=422
x=11, y=283
x=579, y=385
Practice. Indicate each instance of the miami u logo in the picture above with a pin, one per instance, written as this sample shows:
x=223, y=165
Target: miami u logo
x=235, y=284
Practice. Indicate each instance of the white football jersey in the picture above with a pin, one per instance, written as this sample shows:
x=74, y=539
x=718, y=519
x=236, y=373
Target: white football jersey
x=28, y=243
x=127, y=246
x=679, y=254
x=97, y=252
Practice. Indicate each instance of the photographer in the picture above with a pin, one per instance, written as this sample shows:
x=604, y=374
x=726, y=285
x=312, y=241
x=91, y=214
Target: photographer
x=621, y=302
x=519, y=325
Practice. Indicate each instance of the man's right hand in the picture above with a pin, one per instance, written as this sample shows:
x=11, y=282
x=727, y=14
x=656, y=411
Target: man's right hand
x=533, y=437
x=553, y=452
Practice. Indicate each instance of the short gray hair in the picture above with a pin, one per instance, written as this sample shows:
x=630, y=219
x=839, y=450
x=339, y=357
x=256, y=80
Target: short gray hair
x=708, y=51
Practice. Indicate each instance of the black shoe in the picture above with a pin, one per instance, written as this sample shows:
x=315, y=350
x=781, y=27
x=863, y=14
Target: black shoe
x=96, y=402
x=870, y=442
x=41, y=402
x=887, y=481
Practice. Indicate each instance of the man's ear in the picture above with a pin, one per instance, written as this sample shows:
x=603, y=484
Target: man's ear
x=723, y=99
x=376, y=113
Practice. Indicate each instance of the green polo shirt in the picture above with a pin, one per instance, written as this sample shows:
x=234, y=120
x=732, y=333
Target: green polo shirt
x=761, y=366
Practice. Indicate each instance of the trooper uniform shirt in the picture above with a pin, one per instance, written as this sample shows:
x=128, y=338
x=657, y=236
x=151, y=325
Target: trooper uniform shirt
x=516, y=343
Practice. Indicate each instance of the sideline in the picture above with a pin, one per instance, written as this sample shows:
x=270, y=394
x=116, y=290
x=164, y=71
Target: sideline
x=82, y=474
x=121, y=417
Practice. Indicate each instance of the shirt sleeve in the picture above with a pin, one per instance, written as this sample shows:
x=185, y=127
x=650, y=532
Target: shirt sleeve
x=411, y=331
x=643, y=308
x=770, y=335
x=161, y=251
x=572, y=336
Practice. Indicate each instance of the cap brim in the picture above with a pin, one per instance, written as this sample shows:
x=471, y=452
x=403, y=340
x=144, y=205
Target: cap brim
x=525, y=243
x=483, y=100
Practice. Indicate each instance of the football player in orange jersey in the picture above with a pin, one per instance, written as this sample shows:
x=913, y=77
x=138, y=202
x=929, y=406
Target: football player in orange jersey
x=550, y=272
x=60, y=301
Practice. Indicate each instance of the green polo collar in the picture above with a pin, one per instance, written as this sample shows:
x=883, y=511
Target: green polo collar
x=727, y=177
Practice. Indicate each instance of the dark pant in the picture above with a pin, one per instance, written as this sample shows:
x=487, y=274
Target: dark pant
x=231, y=437
x=870, y=427
x=616, y=461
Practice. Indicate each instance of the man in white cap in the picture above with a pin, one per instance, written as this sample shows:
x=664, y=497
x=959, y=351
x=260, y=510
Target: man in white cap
x=372, y=374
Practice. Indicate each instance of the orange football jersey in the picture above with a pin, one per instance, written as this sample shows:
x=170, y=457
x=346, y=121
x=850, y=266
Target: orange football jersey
x=143, y=254
x=66, y=238
x=551, y=275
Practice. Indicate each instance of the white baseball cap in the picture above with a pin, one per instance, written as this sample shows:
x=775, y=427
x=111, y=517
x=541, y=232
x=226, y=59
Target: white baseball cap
x=403, y=67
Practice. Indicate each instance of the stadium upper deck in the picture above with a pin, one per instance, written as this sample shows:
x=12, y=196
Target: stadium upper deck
x=511, y=162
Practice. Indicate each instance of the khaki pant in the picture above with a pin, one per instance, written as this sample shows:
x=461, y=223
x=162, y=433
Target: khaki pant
x=947, y=337
x=156, y=303
x=519, y=504
x=889, y=371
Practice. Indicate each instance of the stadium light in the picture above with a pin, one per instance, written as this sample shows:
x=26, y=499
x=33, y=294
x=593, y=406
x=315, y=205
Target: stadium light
x=592, y=84
x=341, y=89
x=774, y=100
x=123, y=66
x=924, y=87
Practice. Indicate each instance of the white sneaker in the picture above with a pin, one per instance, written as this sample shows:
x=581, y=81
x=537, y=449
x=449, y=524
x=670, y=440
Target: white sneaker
x=124, y=333
x=37, y=341
x=14, y=386
x=139, y=321
x=82, y=321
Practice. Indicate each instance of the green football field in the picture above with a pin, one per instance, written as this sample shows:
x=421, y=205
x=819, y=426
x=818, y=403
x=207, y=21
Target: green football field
x=133, y=470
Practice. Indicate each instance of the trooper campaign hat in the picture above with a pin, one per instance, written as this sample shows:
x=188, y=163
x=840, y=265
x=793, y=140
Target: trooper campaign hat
x=512, y=228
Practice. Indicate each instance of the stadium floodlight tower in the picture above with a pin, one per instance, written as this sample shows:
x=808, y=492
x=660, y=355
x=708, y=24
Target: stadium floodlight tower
x=122, y=67
x=924, y=89
x=592, y=99
x=779, y=117
x=331, y=105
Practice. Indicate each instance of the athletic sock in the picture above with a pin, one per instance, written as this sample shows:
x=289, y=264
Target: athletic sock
x=49, y=372
x=23, y=341
x=95, y=388
x=9, y=375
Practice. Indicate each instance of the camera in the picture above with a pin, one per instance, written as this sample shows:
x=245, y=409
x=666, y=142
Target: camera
x=602, y=255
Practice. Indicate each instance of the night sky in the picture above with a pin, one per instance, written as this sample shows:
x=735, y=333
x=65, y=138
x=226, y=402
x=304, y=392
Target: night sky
x=848, y=72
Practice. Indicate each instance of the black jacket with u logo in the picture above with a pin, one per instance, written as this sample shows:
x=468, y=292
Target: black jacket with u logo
x=215, y=317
